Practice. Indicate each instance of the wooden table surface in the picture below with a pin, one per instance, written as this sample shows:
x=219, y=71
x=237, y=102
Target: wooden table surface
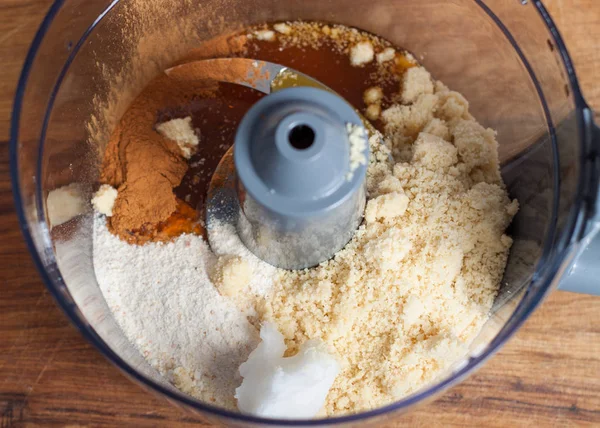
x=548, y=375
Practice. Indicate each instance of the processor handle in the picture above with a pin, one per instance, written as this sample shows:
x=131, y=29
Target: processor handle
x=583, y=275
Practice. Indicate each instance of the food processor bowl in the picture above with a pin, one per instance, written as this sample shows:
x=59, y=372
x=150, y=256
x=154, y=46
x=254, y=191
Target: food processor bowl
x=90, y=59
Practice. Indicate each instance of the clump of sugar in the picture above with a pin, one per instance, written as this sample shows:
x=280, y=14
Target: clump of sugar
x=231, y=275
x=412, y=310
x=373, y=97
x=373, y=111
x=361, y=54
x=226, y=244
x=357, y=136
x=385, y=55
x=182, y=132
x=386, y=206
x=267, y=35
x=104, y=199
x=285, y=388
x=415, y=82
x=282, y=28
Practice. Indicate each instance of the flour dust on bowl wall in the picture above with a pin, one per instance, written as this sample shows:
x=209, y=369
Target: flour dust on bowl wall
x=370, y=237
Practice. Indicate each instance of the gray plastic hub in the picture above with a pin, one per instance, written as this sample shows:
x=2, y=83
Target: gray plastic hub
x=298, y=203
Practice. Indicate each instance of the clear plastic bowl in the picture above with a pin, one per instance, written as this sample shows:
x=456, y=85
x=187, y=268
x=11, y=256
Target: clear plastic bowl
x=505, y=56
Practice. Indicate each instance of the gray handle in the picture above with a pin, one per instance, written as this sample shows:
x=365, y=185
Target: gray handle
x=583, y=276
x=300, y=199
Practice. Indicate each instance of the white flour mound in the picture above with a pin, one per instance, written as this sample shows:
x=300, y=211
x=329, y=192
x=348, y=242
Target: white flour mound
x=163, y=300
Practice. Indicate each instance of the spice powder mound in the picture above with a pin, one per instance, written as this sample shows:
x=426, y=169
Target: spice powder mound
x=145, y=166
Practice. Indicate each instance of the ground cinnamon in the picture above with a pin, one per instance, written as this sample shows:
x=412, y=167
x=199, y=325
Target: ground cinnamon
x=143, y=165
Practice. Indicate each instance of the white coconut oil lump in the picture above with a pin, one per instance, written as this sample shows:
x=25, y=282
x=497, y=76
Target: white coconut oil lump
x=285, y=388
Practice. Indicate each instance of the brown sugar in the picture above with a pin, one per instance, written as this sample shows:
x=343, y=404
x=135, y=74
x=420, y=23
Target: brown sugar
x=421, y=273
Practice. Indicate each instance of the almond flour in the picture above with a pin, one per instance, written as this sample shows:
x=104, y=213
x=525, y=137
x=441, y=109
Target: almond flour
x=403, y=300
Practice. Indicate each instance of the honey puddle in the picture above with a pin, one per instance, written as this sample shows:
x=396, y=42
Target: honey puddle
x=216, y=118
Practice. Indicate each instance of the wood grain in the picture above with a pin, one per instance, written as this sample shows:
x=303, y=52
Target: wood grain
x=548, y=375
